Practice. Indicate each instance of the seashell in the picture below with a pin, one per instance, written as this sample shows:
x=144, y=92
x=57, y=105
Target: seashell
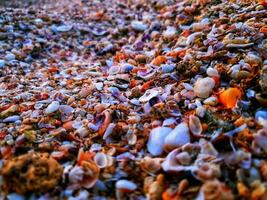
x=63, y=28
x=191, y=38
x=239, y=158
x=139, y=26
x=215, y=190
x=10, y=56
x=149, y=94
x=253, y=59
x=261, y=114
x=260, y=138
x=159, y=60
x=261, y=99
x=169, y=33
x=200, y=111
x=203, y=87
x=212, y=72
x=156, y=140
x=154, y=188
x=2, y=63
x=108, y=130
x=82, y=132
x=229, y=97
x=85, y=91
x=105, y=122
x=76, y=174
x=177, y=161
x=115, y=69
x=52, y=107
x=151, y=165
x=99, y=86
x=101, y=160
x=207, y=148
x=212, y=101
x=167, y=68
x=195, y=125
x=125, y=185
x=207, y=172
x=65, y=109
x=12, y=119
x=177, y=137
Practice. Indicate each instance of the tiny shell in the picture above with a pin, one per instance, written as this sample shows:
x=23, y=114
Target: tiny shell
x=212, y=72
x=149, y=94
x=170, y=32
x=52, y=107
x=82, y=132
x=195, y=125
x=229, y=97
x=101, y=160
x=203, y=87
x=260, y=139
x=174, y=160
x=177, y=137
x=12, y=119
x=156, y=140
x=138, y=26
x=126, y=185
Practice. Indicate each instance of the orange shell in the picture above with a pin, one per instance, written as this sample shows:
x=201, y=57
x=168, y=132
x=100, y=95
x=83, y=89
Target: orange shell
x=159, y=60
x=229, y=97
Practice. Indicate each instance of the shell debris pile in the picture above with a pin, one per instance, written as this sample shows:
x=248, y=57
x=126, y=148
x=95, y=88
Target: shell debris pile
x=134, y=99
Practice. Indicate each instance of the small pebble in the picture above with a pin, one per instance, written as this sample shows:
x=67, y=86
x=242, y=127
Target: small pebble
x=53, y=107
x=2, y=63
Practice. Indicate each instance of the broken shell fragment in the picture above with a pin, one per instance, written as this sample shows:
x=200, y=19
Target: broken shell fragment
x=52, y=107
x=229, y=97
x=101, y=160
x=156, y=140
x=149, y=94
x=177, y=137
x=195, y=125
x=125, y=185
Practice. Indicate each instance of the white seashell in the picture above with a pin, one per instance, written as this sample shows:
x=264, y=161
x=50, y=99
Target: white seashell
x=203, y=87
x=191, y=38
x=2, y=63
x=177, y=137
x=52, y=107
x=195, y=125
x=99, y=86
x=82, y=132
x=212, y=101
x=174, y=160
x=169, y=33
x=260, y=138
x=101, y=160
x=108, y=130
x=138, y=26
x=12, y=119
x=65, y=109
x=212, y=72
x=187, y=86
x=76, y=174
x=149, y=94
x=156, y=140
x=125, y=185
x=200, y=111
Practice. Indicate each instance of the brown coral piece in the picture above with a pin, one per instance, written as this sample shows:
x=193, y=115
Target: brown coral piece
x=31, y=172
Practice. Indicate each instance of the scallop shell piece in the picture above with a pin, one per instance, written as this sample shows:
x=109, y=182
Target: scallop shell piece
x=260, y=138
x=203, y=87
x=177, y=137
x=151, y=165
x=138, y=26
x=175, y=160
x=195, y=125
x=156, y=140
x=149, y=94
x=52, y=107
x=126, y=185
x=101, y=160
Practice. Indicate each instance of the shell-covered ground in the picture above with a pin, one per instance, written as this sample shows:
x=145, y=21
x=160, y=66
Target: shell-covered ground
x=133, y=99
